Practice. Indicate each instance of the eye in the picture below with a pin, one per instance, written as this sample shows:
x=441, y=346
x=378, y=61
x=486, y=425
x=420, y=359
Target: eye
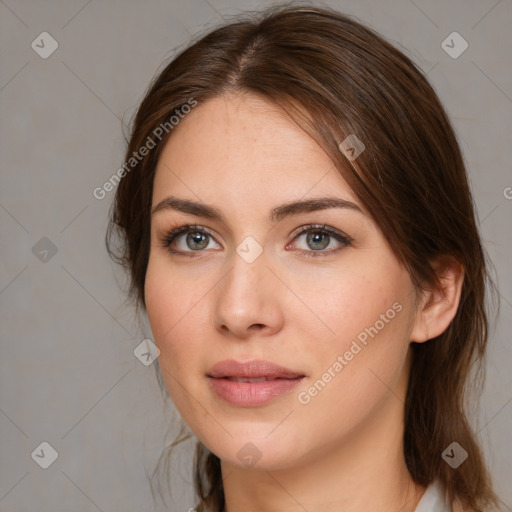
x=318, y=238
x=197, y=238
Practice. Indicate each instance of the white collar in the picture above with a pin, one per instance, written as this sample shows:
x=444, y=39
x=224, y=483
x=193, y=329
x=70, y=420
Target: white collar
x=433, y=500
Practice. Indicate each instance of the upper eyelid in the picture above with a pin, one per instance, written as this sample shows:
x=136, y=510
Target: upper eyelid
x=319, y=227
x=183, y=230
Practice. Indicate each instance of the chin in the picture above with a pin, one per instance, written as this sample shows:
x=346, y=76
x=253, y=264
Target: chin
x=258, y=452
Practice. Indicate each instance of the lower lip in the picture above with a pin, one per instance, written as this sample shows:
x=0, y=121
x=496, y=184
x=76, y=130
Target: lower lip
x=248, y=394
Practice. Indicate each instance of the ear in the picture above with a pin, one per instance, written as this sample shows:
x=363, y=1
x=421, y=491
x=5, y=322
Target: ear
x=437, y=306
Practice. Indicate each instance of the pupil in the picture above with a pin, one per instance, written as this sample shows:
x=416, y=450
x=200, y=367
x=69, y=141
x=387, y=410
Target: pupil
x=316, y=237
x=197, y=238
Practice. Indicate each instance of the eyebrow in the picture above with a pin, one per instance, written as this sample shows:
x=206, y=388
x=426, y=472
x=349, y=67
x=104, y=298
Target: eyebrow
x=276, y=214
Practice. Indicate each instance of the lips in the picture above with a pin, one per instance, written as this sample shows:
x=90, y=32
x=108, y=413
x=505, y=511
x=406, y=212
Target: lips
x=253, y=383
x=251, y=370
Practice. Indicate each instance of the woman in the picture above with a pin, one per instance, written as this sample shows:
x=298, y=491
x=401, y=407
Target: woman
x=298, y=226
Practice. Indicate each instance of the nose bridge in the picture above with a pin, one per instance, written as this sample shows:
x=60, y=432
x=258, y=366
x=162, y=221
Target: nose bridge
x=247, y=294
x=247, y=277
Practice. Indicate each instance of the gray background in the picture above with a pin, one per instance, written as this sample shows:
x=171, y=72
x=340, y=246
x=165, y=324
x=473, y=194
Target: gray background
x=68, y=372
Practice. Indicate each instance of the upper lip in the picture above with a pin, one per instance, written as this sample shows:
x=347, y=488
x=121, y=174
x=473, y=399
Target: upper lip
x=251, y=369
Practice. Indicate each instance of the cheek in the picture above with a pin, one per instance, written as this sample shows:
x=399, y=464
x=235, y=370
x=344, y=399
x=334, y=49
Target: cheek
x=176, y=316
x=340, y=304
x=174, y=304
x=172, y=296
x=361, y=342
x=352, y=381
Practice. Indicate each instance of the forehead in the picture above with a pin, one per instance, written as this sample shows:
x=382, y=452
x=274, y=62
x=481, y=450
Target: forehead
x=247, y=149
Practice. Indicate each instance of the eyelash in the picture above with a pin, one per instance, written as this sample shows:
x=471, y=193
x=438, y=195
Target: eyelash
x=175, y=232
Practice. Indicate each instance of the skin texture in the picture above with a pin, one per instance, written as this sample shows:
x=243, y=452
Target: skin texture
x=343, y=449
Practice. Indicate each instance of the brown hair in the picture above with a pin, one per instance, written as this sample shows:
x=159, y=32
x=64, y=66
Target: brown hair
x=336, y=77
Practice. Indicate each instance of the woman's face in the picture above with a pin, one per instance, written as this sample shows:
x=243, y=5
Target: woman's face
x=332, y=304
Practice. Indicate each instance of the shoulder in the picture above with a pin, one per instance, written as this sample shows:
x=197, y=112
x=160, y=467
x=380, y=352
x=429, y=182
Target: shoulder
x=434, y=499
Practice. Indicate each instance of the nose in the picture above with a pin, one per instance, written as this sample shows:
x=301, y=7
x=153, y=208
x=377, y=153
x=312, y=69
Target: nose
x=248, y=300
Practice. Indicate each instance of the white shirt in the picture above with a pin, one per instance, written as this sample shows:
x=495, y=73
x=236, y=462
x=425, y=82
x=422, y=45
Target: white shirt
x=433, y=500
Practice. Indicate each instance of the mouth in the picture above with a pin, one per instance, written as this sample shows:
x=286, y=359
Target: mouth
x=251, y=370
x=253, y=383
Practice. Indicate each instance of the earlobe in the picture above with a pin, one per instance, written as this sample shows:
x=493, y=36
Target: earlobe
x=440, y=303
